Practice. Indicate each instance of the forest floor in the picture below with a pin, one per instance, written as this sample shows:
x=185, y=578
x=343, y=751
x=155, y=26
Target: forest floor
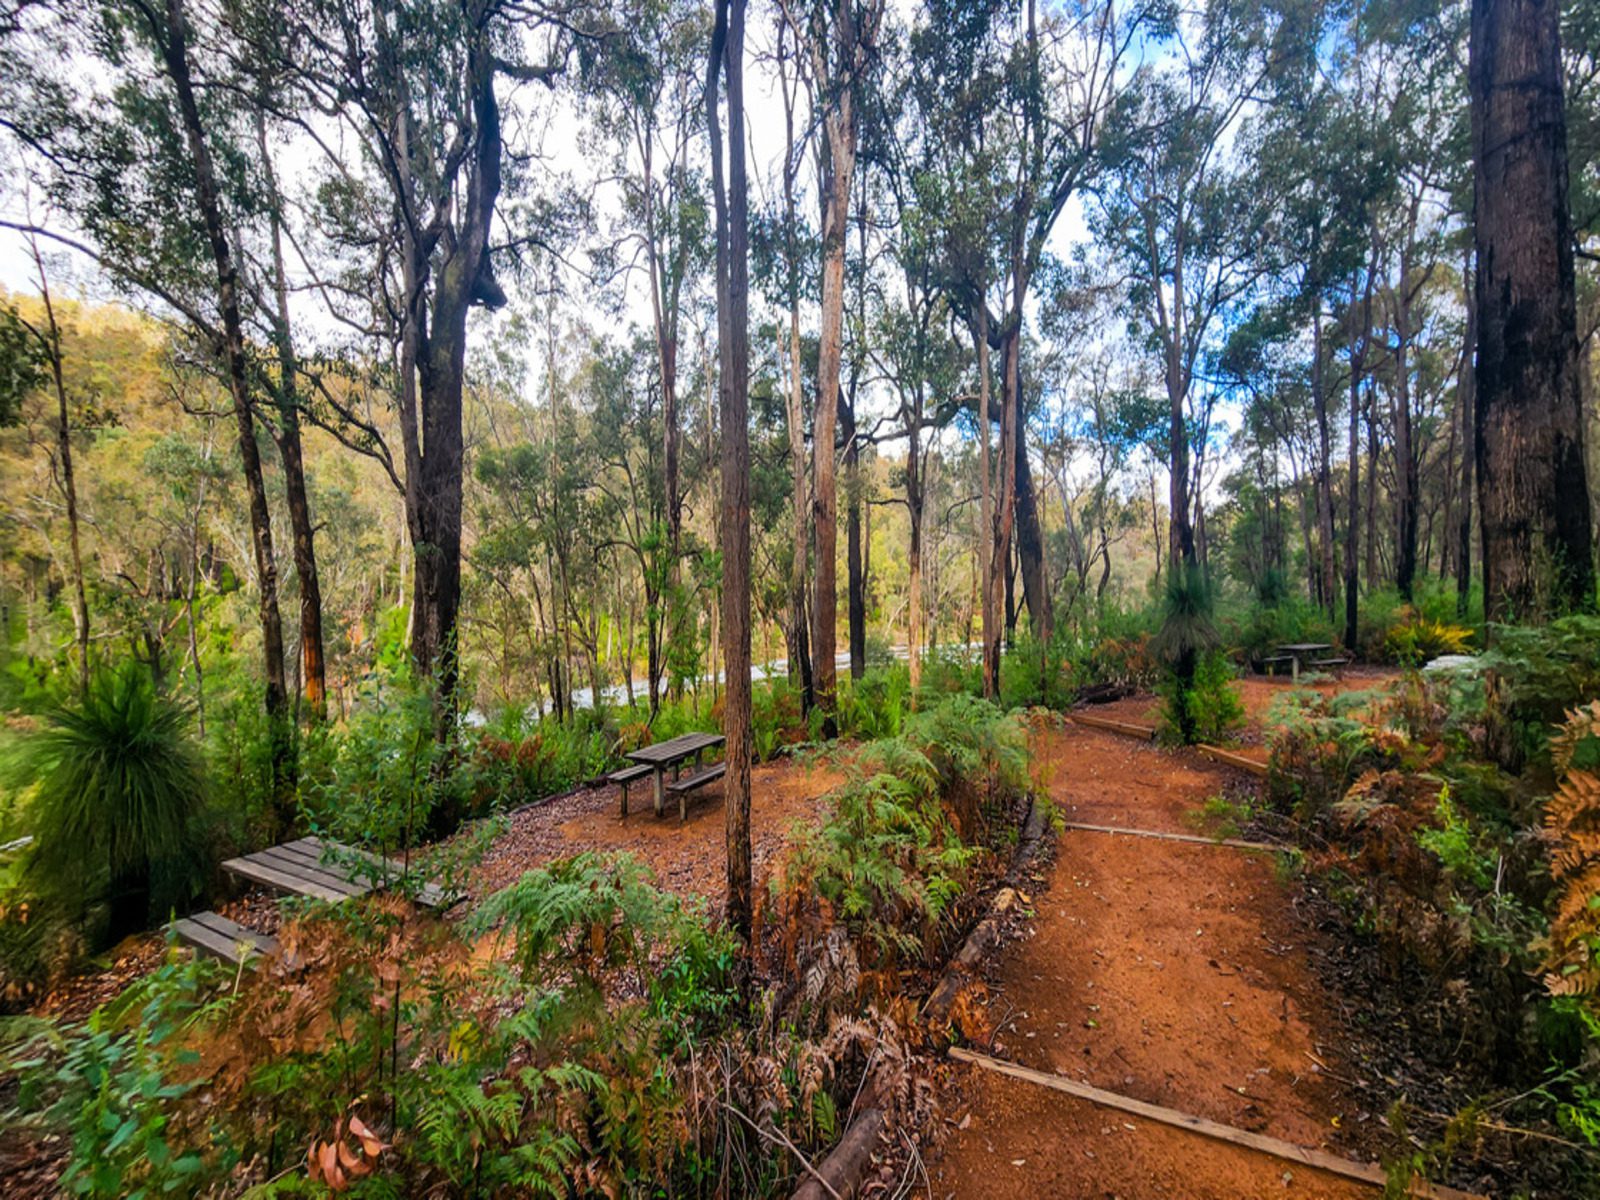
x=1176, y=973
x=686, y=859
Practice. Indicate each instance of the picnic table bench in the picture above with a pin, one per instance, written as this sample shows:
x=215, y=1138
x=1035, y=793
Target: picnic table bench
x=308, y=866
x=672, y=754
x=1296, y=651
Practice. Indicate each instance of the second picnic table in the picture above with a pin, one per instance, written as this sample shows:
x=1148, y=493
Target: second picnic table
x=1298, y=650
x=673, y=753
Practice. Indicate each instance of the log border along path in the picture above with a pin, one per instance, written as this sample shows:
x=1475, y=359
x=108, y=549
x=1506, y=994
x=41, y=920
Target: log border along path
x=1321, y=1160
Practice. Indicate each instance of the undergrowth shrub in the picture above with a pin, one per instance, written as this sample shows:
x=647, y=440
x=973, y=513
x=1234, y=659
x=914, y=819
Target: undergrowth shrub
x=917, y=821
x=1209, y=709
x=580, y=1033
x=1413, y=639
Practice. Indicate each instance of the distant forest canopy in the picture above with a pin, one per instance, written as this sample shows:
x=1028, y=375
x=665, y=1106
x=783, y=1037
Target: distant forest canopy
x=416, y=350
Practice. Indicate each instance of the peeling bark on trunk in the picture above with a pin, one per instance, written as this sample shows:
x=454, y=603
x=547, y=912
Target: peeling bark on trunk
x=1537, y=553
x=1464, y=392
x=727, y=53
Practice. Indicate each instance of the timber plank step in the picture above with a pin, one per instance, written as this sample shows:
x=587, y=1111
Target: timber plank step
x=214, y=934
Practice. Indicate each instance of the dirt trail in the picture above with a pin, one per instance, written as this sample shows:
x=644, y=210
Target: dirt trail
x=1170, y=972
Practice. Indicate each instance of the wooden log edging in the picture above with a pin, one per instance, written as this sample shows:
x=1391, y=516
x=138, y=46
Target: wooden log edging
x=846, y=1165
x=1163, y=835
x=958, y=972
x=1145, y=733
x=1233, y=759
x=1318, y=1159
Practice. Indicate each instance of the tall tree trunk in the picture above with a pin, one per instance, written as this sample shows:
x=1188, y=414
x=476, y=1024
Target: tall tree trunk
x=69, y=484
x=1324, y=477
x=838, y=170
x=855, y=574
x=1359, y=338
x=1464, y=391
x=1537, y=552
x=1005, y=516
x=1030, y=538
x=799, y=641
x=313, y=666
x=173, y=41
x=914, y=504
x=1405, y=452
x=727, y=50
x=986, y=523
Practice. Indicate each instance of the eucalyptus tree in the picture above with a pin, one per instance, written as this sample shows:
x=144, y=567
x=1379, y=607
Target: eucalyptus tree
x=166, y=121
x=730, y=192
x=1019, y=95
x=837, y=42
x=649, y=108
x=1538, y=554
x=410, y=227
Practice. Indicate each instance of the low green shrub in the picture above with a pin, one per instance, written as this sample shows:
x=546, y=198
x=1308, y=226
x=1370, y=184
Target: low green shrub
x=1210, y=709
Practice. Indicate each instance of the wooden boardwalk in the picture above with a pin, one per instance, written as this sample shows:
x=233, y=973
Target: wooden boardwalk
x=308, y=866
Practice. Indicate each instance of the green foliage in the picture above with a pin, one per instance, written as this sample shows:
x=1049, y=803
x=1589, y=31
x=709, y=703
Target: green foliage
x=904, y=836
x=1534, y=675
x=119, y=796
x=1285, y=620
x=513, y=760
x=1039, y=673
x=1209, y=710
x=112, y=1087
x=775, y=718
x=874, y=706
x=1188, y=635
x=1414, y=639
x=594, y=914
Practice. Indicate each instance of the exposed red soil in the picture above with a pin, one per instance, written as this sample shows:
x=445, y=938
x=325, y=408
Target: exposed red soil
x=686, y=858
x=1172, y=972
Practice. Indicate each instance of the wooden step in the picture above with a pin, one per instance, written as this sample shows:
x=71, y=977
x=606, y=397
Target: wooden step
x=212, y=933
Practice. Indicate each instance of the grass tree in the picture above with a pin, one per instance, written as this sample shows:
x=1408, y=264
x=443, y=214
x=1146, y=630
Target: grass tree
x=120, y=790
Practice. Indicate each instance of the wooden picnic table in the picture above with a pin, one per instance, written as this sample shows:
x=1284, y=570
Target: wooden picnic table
x=672, y=753
x=1298, y=650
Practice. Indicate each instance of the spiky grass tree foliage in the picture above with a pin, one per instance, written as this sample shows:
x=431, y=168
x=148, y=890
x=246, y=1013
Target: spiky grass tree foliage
x=1187, y=633
x=120, y=788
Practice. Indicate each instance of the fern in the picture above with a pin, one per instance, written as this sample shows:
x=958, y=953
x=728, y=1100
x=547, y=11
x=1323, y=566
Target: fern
x=1572, y=822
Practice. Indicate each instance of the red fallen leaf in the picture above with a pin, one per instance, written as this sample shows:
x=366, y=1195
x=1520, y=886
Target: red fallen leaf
x=328, y=1159
x=371, y=1145
x=348, y=1158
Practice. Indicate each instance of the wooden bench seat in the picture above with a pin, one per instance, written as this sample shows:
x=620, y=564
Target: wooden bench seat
x=682, y=787
x=1266, y=666
x=626, y=776
x=1332, y=663
x=212, y=933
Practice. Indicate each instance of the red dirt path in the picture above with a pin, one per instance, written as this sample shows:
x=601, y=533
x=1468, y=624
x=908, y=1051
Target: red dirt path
x=1171, y=972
